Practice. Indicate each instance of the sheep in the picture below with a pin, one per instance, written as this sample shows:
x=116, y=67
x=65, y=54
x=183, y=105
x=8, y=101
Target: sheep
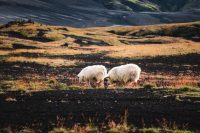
x=92, y=74
x=122, y=75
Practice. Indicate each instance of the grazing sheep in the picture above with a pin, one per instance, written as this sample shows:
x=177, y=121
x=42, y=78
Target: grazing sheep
x=122, y=75
x=92, y=75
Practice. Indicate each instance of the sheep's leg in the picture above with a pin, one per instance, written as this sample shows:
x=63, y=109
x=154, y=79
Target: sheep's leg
x=120, y=84
x=89, y=83
x=134, y=84
x=99, y=83
x=93, y=85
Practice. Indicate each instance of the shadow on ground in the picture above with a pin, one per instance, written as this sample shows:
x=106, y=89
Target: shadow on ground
x=44, y=110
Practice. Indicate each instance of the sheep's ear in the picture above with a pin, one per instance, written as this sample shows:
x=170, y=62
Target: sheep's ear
x=78, y=75
x=106, y=77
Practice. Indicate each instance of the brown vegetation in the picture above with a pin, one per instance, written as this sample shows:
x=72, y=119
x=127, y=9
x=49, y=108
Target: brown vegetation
x=166, y=60
x=36, y=59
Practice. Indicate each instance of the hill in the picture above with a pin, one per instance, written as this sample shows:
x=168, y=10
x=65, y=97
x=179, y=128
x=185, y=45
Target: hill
x=92, y=13
x=40, y=90
x=34, y=31
x=152, y=5
x=168, y=54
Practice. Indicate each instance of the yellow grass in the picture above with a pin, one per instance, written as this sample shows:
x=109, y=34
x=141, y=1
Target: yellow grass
x=128, y=29
x=50, y=53
x=33, y=85
x=44, y=61
x=24, y=85
x=4, y=52
x=54, y=35
x=121, y=51
x=151, y=50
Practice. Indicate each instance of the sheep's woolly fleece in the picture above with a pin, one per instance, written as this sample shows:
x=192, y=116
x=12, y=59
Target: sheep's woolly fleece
x=124, y=73
x=89, y=73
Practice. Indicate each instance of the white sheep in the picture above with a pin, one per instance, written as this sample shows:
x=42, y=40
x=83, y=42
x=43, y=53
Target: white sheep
x=122, y=75
x=92, y=75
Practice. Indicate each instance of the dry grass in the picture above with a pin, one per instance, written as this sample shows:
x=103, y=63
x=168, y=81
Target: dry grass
x=123, y=47
x=169, y=80
x=121, y=51
x=44, y=61
x=24, y=85
x=48, y=51
x=54, y=35
x=131, y=29
x=140, y=51
x=4, y=52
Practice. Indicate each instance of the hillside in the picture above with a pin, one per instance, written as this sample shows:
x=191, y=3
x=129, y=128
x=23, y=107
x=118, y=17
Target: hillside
x=39, y=64
x=35, y=55
x=34, y=31
x=152, y=5
x=92, y=13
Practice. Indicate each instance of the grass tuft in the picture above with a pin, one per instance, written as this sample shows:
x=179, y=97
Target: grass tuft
x=189, y=88
x=149, y=86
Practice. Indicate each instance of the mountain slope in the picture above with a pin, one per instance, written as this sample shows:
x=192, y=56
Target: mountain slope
x=90, y=13
x=152, y=5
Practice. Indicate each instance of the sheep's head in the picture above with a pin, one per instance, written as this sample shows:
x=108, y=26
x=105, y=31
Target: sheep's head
x=81, y=78
x=106, y=82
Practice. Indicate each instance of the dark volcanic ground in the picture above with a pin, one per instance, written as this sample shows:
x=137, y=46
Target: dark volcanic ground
x=88, y=13
x=145, y=107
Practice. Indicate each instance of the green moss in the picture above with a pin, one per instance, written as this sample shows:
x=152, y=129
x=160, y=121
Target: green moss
x=150, y=130
x=183, y=131
x=159, y=130
x=74, y=87
x=189, y=88
x=26, y=130
x=6, y=85
x=144, y=5
x=149, y=86
x=59, y=130
x=3, y=58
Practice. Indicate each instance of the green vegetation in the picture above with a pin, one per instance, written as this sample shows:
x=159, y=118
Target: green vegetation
x=159, y=130
x=2, y=57
x=53, y=84
x=145, y=5
x=189, y=88
x=112, y=45
x=26, y=85
x=6, y=85
x=112, y=127
x=60, y=130
x=149, y=86
x=26, y=130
